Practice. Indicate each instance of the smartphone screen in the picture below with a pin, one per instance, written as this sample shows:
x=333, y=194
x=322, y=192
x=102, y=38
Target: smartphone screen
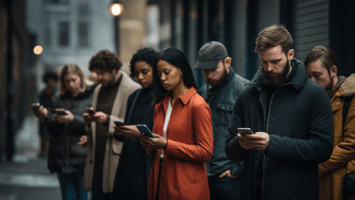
x=60, y=111
x=243, y=131
x=90, y=110
x=35, y=106
x=144, y=129
x=118, y=123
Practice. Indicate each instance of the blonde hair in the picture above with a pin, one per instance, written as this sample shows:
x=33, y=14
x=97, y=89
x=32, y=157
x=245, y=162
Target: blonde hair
x=71, y=68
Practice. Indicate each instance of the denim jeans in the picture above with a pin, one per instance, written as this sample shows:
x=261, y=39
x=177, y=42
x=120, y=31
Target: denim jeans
x=71, y=186
x=224, y=188
x=97, y=193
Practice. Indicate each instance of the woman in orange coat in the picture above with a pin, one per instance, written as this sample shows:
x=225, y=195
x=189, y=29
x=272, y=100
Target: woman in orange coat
x=183, y=132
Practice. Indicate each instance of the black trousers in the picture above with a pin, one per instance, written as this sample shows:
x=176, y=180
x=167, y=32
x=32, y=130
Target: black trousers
x=224, y=188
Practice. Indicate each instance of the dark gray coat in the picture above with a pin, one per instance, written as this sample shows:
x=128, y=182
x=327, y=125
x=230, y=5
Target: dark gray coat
x=300, y=125
x=64, y=154
x=221, y=104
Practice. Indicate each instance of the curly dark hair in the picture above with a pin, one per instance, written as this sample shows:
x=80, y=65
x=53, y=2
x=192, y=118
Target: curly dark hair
x=147, y=55
x=50, y=75
x=105, y=60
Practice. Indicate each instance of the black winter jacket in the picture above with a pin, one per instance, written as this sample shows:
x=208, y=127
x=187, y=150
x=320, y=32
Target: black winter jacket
x=64, y=154
x=300, y=126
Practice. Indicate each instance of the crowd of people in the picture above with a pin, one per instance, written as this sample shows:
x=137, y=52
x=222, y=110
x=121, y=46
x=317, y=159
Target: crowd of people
x=289, y=133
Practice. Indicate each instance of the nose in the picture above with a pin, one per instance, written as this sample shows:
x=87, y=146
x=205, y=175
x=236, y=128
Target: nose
x=269, y=67
x=162, y=77
x=140, y=76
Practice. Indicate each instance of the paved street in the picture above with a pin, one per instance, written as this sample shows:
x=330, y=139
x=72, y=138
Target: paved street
x=27, y=178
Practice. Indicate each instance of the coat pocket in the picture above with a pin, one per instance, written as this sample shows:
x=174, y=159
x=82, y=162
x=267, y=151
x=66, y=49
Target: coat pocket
x=116, y=146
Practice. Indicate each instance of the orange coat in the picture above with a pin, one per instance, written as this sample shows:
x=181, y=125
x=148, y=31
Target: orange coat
x=331, y=172
x=190, y=145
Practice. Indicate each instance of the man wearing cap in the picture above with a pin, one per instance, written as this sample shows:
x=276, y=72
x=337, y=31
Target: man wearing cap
x=221, y=92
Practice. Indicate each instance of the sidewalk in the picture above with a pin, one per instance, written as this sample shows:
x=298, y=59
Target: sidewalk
x=27, y=178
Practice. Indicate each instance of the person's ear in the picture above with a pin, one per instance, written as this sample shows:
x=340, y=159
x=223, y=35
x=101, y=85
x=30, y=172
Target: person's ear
x=333, y=71
x=291, y=54
x=228, y=60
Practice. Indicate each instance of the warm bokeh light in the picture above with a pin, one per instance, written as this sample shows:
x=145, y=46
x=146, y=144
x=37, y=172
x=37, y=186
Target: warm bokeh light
x=116, y=9
x=38, y=49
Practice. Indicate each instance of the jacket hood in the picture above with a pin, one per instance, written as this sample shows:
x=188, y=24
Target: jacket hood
x=297, y=81
x=348, y=86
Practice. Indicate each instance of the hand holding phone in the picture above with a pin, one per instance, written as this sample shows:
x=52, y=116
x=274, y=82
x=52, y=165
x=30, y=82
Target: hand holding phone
x=60, y=111
x=35, y=106
x=90, y=110
x=243, y=131
x=144, y=129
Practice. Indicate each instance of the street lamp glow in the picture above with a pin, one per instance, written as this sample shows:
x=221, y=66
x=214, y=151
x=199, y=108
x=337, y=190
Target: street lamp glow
x=38, y=50
x=116, y=9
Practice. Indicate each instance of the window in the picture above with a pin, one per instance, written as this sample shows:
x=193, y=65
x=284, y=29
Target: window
x=83, y=34
x=63, y=34
x=47, y=37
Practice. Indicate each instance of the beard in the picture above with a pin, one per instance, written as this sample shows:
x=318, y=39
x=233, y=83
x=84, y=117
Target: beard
x=330, y=84
x=275, y=81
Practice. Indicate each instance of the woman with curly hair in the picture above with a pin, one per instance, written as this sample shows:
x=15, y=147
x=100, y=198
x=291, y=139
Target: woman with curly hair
x=134, y=165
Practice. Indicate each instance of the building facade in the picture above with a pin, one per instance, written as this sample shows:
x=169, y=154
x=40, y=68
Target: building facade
x=188, y=24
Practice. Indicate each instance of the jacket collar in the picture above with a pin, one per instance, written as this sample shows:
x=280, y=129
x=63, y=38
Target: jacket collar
x=297, y=81
x=348, y=86
x=185, y=98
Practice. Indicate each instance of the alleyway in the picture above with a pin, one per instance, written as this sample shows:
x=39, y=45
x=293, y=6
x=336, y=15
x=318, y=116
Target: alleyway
x=27, y=178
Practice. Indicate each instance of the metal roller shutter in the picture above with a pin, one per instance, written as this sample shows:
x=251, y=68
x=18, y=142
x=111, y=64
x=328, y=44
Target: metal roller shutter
x=310, y=25
x=239, y=37
x=267, y=14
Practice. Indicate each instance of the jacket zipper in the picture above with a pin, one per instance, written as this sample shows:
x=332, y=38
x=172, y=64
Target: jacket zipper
x=267, y=131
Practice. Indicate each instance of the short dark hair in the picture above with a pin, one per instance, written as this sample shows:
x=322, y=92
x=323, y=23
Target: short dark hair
x=105, y=60
x=147, y=55
x=177, y=58
x=324, y=54
x=273, y=36
x=50, y=75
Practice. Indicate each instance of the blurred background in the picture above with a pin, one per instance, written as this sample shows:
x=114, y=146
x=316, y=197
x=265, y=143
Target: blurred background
x=37, y=36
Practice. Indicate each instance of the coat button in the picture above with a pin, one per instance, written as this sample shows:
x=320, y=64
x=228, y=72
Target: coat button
x=337, y=103
x=90, y=161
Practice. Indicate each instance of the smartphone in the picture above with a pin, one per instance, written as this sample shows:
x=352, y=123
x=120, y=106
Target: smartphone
x=144, y=129
x=243, y=131
x=35, y=106
x=90, y=110
x=118, y=123
x=60, y=111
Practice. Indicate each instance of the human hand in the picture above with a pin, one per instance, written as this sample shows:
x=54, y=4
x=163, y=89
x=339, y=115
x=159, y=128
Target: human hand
x=127, y=131
x=87, y=118
x=83, y=141
x=152, y=144
x=68, y=118
x=99, y=117
x=41, y=112
x=259, y=141
x=228, y=174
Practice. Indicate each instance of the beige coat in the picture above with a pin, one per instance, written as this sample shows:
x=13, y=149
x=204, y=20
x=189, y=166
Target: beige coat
x=331, y=172
x=113, y=147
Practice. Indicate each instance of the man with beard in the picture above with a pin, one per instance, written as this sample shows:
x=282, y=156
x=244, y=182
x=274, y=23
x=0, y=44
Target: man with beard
x=109, y=102
x=291, y=122
x=322, y=67
x=223, y=175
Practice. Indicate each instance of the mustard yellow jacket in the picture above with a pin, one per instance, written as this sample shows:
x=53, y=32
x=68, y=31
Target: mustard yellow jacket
x=331, y=172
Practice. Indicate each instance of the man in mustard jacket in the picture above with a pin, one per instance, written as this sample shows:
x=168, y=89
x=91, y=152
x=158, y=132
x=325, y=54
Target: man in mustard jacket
x=321, y=65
